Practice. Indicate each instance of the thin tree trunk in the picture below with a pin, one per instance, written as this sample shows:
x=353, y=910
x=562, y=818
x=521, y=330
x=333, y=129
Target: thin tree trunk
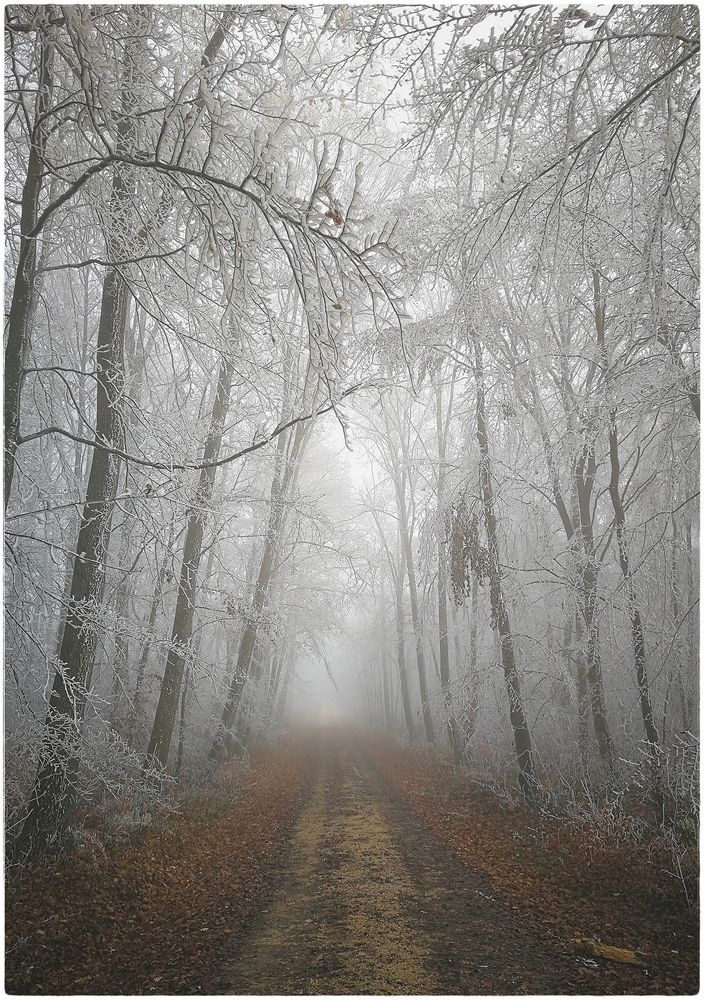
x=521, y=733
x=637, y=637
x=397, y=574
x=399, y=477
x=473, y=626
x=281, y=706
x=467, y=671
x=590, y=617
x=23, y=294
x=582, y=694
x=182, y=631
x=151, y=620
x=581, y=545
x=187, y=685
x=162, y=728
x=401, y=651
x=284, y=477
x=388, y=718
x=453, y=729
x=121, y=659
x=415, y=617
x=278, y=666
x=691, y=697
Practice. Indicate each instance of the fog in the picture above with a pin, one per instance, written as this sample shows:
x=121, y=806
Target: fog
x=357, y=387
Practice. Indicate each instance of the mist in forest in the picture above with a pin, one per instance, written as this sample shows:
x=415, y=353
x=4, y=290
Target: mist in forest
x=352, y=382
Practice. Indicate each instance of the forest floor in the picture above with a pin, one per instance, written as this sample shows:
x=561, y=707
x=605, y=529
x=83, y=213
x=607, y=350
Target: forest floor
x=350, y=865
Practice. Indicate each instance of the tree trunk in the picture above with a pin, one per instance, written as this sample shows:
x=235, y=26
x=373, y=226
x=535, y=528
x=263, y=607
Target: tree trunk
x=151, y=620
x=401, y=651
x=415, y=617
x=397, y=573
x=182, y=631
x=281, y=706
x=453, y=729
x=582, y=694
x=467, y=674
x=279, y=663
x=187, y=683
x=637, y=638
x=23, y=293
x=399, y=477
x=521, y=733
x=691, y=696
x=388, y=715
x=590, y=617
x=581, y=545
x=284, y=476
x=121, y=661
x=53, y=796
x=52, y=799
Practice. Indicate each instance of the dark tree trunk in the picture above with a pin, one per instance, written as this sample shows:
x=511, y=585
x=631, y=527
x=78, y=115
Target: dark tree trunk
x=521, y=733
x=151, y=621
x=401, y=651
x=582, y=695
x=53, y=796
x=52, y=799
x=415, y=617
x=23, y=293
x=453, y=729
x=637, y=638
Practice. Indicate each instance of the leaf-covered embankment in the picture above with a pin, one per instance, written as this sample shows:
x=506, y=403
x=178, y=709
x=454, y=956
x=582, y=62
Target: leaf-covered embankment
x=160, y=915
x=566, y=877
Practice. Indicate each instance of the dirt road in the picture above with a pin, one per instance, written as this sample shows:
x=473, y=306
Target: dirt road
x=346, y=864
x=367, y=901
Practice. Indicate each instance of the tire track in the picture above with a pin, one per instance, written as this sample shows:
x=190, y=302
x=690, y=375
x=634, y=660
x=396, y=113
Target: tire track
x=369, y=901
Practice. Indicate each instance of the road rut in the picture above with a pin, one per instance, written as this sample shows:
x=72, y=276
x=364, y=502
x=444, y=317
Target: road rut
x=367, y=901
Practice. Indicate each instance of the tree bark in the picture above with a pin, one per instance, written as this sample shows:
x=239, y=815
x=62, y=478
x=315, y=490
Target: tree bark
x=397, y=573
x=182, y=631
x=388, y=715
x=23, y=293
x=453, y=729
x=582, y=695
x=590, y=617
x=52, y=798
x=519, y=725
x=399, y=478
x=415, y=614
x=284, y=476
x=637, y=637
x=401, y=650
x=151, y=620
x=580, y=539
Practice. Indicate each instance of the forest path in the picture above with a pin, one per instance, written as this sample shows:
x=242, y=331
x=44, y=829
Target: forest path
x=367, y=901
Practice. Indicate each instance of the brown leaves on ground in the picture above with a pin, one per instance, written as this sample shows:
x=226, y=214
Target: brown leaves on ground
x=556, y=873
x=158, y=916
x=164, y=914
